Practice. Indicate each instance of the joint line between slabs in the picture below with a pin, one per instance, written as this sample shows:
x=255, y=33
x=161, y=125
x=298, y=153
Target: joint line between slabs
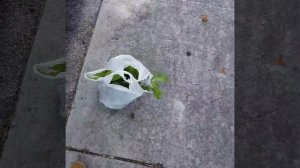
x=88, y=152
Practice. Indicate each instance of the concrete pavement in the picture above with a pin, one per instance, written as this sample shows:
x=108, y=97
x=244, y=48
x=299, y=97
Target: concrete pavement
x=192, y=126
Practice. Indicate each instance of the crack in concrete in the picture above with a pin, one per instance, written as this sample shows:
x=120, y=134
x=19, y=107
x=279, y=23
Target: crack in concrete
x=259, y=116
x=256, y=118
x=88, y=152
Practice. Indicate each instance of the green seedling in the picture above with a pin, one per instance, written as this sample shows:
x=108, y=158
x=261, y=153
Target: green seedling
x=156, y=80
x=145, y=86
x=134, y=72
x=154, y=86
x=99, y=74
x=118, y=80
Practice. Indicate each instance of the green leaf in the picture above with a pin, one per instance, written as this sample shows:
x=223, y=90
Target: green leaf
x=157, y=92
x=155, y=88
x=134, y=72
x=155, y=82
x=118, y=80
x=99, y=74
x=59, y=67
x=160, y=77
x=116, y=77
x=145, y=87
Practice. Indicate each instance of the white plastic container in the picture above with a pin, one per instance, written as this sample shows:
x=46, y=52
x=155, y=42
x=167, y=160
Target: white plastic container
x=115, y=96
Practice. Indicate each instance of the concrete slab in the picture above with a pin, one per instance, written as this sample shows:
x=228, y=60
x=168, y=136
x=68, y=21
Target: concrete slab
x=276, y=140
x=19, y=24
x=267, y=84
x=37, y=138
x=192, y=126
x=81, y=17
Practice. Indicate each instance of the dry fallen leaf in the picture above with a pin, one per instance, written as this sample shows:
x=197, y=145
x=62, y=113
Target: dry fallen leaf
x=77, y=164
x=204, y=18
x=222, y=71
x=279, y=60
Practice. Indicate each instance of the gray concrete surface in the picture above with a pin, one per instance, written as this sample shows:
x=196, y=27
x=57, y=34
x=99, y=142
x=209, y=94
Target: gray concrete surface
x=192, y=126
x=267, y=93
x=37, y=135
x=18, y=25
x=81, y=16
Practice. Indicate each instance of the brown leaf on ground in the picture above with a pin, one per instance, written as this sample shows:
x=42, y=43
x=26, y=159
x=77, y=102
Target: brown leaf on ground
x=77, y=165
x=222, y=71
x=204, y=18
x=279, y=60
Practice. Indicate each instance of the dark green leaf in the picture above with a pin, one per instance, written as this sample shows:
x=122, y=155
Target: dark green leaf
x=134, y=72
x=99, y=74
x=118, y=80
x=116, y=77
x=145, y=87
x=59, y=67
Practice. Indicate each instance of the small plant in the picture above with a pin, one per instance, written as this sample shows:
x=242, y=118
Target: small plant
x=100, y=74
x=155, y=81
x=154, y=85
x=133, y=77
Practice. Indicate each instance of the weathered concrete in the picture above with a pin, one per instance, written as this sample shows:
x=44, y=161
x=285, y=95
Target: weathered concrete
x=37, y=138
x=81, y=16
x=192, y=126
x=267, y=86
x=19, y=22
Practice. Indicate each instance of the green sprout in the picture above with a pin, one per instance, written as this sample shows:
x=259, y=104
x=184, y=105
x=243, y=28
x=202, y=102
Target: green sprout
x=145, y=86
x=100, y=74
x=155, y=82
x=154, y=86
x=118, y=80
x=133, y=71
